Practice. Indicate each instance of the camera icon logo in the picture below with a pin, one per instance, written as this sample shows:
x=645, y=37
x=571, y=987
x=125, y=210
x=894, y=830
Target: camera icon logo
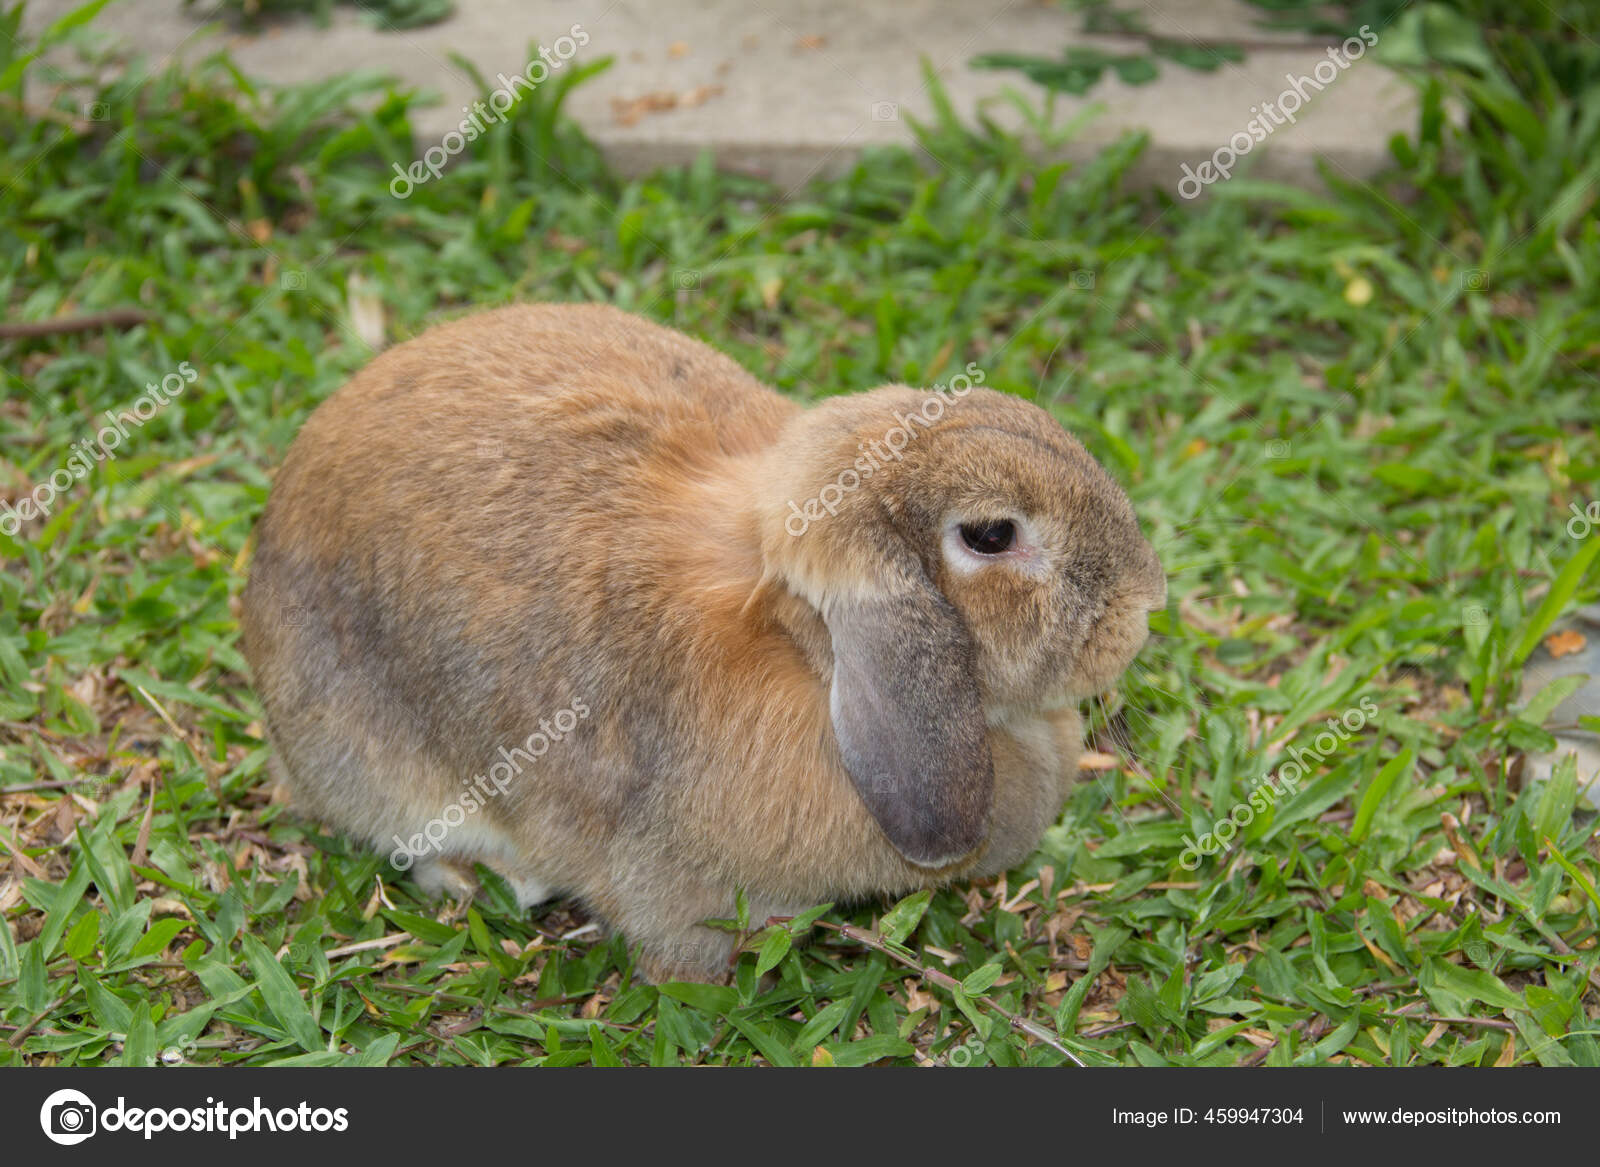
x=885, y=111
x=1277, y=449
x=881, y=784
x=969, y=1052
x=1082, y=280
x=175, y=1055
x=1482, y=955
x=292, y=281
x=68, y=1117
x=1475, y=280
x=97, y=111
x=686, y=279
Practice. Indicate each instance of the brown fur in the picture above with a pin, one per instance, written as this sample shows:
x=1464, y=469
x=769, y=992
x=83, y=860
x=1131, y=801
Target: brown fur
x=420, y=599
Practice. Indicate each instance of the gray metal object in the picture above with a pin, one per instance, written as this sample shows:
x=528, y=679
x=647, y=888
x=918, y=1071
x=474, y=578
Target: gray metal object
x=1541, y=669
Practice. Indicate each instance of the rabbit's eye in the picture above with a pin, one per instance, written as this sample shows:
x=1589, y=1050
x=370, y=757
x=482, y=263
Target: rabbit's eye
x=989, y=538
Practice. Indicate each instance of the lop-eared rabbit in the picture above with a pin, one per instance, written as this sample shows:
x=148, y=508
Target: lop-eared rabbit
x=567, y=593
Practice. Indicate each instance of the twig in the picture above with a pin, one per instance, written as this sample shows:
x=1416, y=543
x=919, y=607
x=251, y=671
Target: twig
x=1434, y=1018
x=29, y=727
x=114, y=318
x=368, y=945
x=943, y=979
x=21, y=1035
x=1159, y=885
x=213, y=772
x=63, y=784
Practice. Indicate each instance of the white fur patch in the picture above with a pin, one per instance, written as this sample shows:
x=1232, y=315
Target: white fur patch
x=478, y=841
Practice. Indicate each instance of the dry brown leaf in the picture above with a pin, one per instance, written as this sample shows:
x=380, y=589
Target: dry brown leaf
x=141, y=845
x=570, y=244
x=699, y=95
x=21, y=862
x=627, y=111
x=61, y=825
x=1565, y=642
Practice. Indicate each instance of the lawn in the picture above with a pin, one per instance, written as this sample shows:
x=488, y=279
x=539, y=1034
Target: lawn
x=1354, y=423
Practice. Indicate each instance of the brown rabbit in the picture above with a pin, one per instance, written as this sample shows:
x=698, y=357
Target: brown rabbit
x=564, y=592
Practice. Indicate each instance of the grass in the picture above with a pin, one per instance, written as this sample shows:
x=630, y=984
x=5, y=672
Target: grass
x=1352, y=422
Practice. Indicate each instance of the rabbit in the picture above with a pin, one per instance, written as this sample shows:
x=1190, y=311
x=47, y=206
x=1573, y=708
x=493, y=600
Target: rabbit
x=562, y=591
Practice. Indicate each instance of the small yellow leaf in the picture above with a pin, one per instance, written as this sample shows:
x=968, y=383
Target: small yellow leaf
x=406, y=954
x=1508, y=1054
x=821, y=1057
x=1358, y=292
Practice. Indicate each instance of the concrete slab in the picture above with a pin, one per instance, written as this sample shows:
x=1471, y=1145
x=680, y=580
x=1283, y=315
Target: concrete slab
x=793, y=90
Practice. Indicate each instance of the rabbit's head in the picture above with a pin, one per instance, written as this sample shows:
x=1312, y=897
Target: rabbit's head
x=970, y=562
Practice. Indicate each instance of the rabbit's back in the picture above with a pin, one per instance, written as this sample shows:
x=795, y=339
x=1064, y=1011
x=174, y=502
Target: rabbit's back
x=480, y=528
x=530, y=398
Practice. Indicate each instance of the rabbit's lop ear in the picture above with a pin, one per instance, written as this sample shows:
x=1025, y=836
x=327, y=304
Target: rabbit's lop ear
x=909, y=722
